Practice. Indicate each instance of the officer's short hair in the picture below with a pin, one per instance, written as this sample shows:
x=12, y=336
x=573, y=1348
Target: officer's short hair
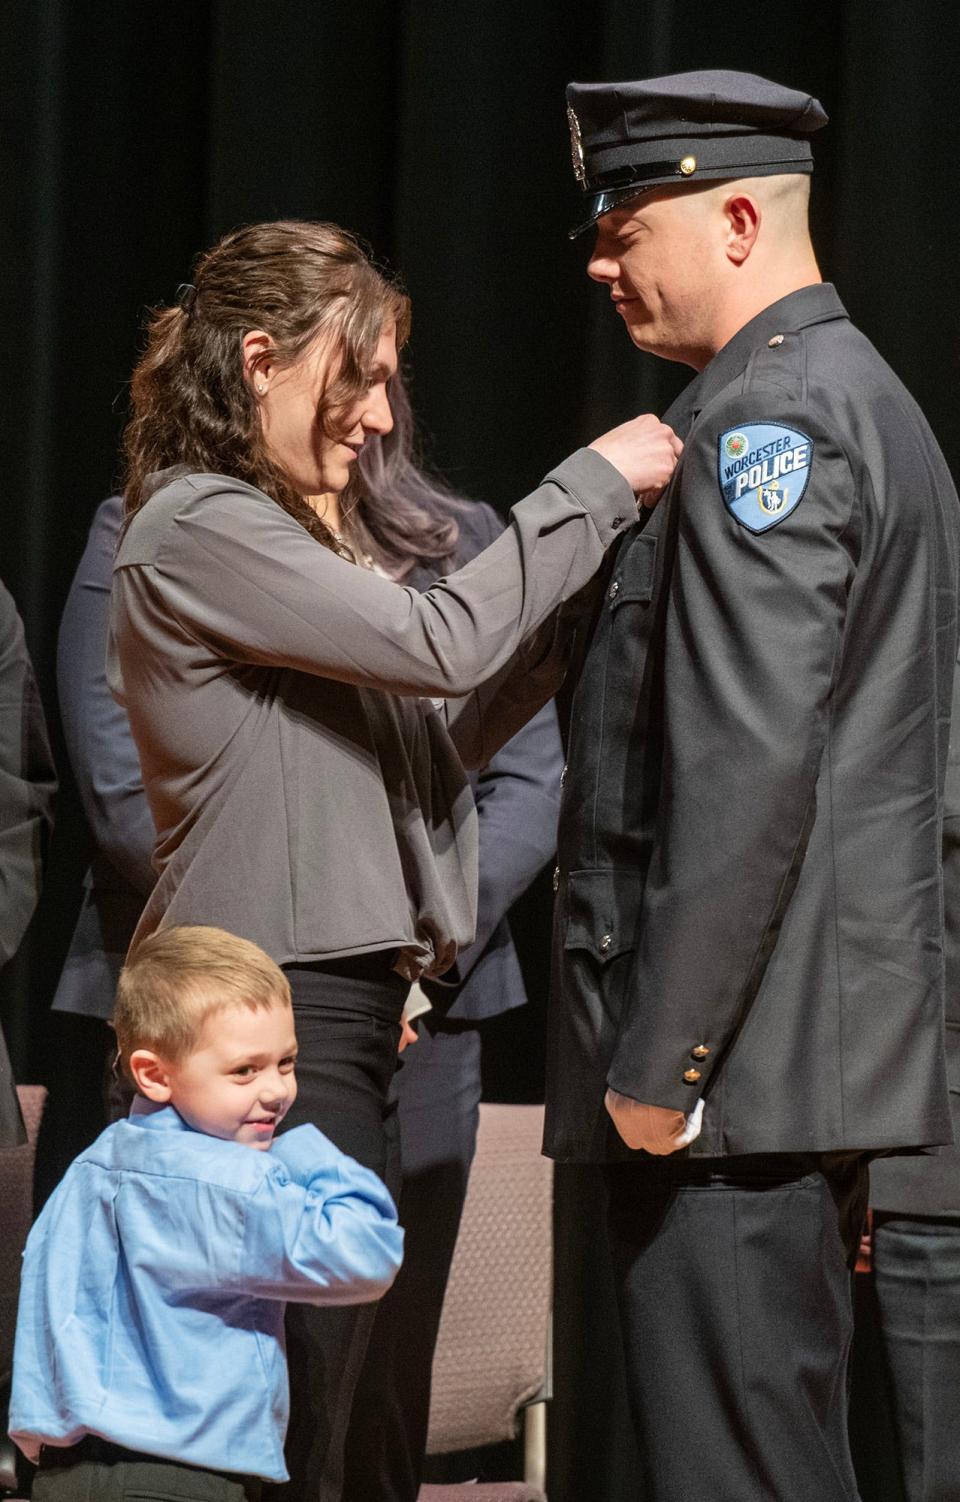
x=177, y=977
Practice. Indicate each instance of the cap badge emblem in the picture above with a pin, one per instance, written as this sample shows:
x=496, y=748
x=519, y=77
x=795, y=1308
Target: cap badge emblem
x=688, y=164
x=576, y=147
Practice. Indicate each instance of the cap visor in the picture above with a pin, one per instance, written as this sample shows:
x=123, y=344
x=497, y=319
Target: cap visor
x=602, y=203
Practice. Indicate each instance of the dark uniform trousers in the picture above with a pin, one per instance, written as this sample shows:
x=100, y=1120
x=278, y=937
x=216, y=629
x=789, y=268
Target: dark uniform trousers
x=736, y=1362
x=749, y=891
x=916, y=1263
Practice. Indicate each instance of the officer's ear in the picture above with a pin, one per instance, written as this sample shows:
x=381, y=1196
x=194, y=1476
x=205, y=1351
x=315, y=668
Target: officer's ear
x=741, y=215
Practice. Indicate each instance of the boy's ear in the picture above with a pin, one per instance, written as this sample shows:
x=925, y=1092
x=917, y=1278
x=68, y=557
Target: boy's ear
x=150, y=1075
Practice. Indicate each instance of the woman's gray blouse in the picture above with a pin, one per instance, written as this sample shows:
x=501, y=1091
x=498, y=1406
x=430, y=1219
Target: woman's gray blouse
x=307, y=794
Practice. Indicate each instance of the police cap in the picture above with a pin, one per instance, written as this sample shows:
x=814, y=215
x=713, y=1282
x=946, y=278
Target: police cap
x=685, y=128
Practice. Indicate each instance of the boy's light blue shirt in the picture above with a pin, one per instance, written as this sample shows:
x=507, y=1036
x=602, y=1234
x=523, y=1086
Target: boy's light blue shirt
x=154, y=1283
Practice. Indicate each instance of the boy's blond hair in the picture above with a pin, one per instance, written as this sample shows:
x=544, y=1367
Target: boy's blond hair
x=178, y=976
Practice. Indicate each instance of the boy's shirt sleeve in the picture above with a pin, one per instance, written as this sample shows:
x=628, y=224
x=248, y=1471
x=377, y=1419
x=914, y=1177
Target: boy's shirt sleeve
x=320, y=1229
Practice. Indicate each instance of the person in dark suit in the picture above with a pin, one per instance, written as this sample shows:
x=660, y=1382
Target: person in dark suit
x=437, y=1089
x=915, y=1241
x=749, y=941
x=106, y=769
x=27, y=787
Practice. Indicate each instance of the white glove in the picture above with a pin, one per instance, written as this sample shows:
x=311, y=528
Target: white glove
x=653, y=1128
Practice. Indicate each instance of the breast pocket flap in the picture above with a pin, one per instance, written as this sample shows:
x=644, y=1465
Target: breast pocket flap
x=601, y=910
x=633, y=577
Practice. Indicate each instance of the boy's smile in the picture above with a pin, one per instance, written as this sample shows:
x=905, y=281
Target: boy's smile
x=237, y=1082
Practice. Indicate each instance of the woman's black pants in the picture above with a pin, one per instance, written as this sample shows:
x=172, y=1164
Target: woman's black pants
x=347, y=1019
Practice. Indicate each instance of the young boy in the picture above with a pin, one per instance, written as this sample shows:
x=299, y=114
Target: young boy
x=149, y=1353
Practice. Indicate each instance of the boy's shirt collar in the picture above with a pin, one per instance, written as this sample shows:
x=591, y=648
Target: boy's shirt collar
x=149, y=1113
x=158, y=1118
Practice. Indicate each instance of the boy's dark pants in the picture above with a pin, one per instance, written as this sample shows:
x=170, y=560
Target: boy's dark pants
x=118, y=1481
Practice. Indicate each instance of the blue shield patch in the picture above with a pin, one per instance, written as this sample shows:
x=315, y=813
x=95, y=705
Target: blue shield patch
x=763, y=468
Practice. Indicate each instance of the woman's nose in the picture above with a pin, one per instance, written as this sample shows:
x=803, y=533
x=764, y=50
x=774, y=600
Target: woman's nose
x=377, y=416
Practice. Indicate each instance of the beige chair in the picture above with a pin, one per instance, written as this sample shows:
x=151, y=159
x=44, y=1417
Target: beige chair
x=16, y=1197
x=492, y=1358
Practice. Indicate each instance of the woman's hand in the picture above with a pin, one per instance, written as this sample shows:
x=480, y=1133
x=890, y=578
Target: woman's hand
x=645, y=451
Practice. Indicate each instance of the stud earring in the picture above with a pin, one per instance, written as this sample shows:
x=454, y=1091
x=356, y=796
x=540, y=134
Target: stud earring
x=261, y=387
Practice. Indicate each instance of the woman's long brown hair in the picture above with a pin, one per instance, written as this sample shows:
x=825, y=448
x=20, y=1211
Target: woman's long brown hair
x=192, y=403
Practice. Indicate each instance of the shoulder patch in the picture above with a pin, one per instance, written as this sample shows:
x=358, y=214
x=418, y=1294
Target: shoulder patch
x=763, y=469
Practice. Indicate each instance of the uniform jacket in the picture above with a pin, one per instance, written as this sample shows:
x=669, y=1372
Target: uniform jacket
x=517, y=797
x=305, y=791
x=27, y=788
x=749, y=903
x=929, y=1183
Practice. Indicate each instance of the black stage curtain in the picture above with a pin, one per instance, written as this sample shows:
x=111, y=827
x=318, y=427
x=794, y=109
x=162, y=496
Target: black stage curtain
x=136, y=131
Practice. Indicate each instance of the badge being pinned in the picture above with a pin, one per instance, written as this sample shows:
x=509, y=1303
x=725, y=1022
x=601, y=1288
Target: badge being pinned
x=763, y=470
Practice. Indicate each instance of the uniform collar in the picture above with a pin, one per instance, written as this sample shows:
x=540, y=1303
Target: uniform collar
x=798, y=310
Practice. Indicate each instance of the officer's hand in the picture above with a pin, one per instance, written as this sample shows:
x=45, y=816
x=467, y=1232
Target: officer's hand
x=653, y=1128
x=645, y=451
x=408, y=1035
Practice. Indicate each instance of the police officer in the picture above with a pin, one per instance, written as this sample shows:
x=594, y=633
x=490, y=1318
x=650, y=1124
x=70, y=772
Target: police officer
x=749, y=947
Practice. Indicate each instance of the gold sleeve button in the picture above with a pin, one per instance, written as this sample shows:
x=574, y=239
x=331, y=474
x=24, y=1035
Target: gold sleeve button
x=691, y=1076
x=700, y=1052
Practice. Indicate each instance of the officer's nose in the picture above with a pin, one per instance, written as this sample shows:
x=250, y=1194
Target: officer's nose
x=602, y=267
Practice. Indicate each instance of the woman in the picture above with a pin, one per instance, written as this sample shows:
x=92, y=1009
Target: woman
x=307, y=791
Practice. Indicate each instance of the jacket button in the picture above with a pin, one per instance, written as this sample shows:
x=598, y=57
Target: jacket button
x=605, y=943
x=691, y=1076
x=700, y=1052
x=556, y=878
x=614, y=590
